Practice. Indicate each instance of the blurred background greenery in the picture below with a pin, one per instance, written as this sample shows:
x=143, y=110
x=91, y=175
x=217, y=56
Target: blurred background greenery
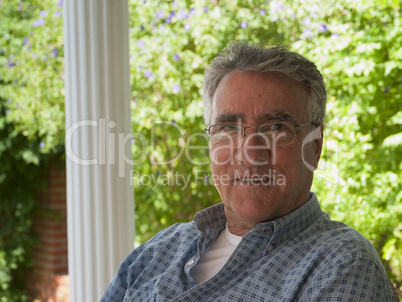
x=357, y=44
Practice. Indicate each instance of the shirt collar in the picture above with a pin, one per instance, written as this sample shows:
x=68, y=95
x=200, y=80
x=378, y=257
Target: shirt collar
x=295, y=222
x=211, y=221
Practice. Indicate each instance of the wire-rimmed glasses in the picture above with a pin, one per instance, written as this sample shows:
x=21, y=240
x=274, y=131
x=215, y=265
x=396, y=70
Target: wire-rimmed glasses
x=276, y=132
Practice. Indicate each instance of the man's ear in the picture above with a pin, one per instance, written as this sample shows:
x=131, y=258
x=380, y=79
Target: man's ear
x=315, y=138
x=318, y=146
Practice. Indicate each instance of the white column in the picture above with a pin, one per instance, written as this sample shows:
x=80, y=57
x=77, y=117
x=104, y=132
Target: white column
x=98, y=147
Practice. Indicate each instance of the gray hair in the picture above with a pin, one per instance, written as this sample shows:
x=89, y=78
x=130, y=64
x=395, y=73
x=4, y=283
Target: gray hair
x=270, y=59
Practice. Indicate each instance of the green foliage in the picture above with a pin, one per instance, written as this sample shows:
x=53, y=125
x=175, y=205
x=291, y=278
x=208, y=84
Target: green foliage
x=31, y=128
x=32, y=68
x=363, y=73
x=19, y=181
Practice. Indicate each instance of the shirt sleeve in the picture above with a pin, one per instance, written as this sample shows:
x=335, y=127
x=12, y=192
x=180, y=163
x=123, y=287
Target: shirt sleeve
x=118, y=287
x=136, y=262
x=357, y=281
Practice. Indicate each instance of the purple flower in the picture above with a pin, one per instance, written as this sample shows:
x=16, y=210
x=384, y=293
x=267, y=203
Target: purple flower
x=335, y=36
x=306, y=21
x=322, y=28
x=26, y=41
x=148, y=73
x=176, y=88
x=187, y=26
x=60, y=3
x=10, y=62
x=172, y=14
x=192, y=12
x=38, y=22
x=160, y=14
x=307, y=34
x=262, y=12
x=142, y=27
x=57, y=14
x=132, y=141
x=141, y=44
x=174, y=123
x=174, y=3
x=206, y=179
x=43, y=13
x=182, y=14
x=206, y=9
x=244, y=24
x=176, y=57
x=277, y=6
x=54, y=51
x=42, y=145
x=168, y=20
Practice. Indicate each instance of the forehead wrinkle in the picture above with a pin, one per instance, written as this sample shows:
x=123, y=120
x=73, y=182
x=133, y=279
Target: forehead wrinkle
x=276, y=115
x=228, y=117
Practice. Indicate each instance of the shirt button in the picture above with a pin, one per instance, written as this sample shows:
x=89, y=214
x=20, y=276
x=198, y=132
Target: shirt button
x=270, y=248
x=191, y=262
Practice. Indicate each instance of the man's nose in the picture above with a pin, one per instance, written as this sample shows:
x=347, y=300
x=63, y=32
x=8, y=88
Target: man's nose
x=254, y=149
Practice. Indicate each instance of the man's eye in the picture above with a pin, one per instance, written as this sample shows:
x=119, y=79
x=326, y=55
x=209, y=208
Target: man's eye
x=278, y=126
x=225, y=128
x=229, y=128
x=272, y=127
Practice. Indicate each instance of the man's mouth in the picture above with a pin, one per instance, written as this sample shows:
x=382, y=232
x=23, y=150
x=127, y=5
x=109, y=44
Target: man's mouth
x=253, y=180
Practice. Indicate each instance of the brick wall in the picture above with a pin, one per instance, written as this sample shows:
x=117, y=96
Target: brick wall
x=48, y=280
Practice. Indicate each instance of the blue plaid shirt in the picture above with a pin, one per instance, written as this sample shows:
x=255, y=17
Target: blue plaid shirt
x=304, y=256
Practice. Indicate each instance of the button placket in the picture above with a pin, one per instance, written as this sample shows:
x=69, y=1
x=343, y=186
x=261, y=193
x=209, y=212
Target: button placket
x=190, y=262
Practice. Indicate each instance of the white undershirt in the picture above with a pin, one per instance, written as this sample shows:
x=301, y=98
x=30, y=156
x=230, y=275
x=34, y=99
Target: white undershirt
x=215, y=256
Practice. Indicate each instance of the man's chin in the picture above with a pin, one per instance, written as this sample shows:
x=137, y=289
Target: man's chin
x=249, y=210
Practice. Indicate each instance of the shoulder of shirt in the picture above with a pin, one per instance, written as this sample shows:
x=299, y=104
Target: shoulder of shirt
x=342, y=240
x=177, y=231
x=313, y=229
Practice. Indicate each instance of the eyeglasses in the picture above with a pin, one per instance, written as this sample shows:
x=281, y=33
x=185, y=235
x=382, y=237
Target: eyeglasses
x=276, y=132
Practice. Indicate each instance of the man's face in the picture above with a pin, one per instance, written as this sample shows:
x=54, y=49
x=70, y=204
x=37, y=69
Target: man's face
x=256, y=180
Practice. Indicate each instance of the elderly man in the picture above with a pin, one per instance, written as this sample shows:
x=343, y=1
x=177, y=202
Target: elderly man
x=268, y=240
